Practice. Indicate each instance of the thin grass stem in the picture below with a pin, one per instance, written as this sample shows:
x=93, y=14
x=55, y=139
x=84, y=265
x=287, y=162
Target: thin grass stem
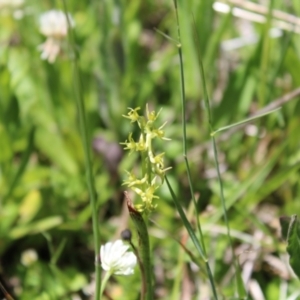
x=79, y=96
x=193, y=237
x=184, y=130
x=201, y=245
x=243, y=121
x=240, y=286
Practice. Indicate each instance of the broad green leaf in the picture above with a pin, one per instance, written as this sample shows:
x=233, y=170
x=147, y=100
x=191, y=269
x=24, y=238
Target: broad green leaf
x=22, y=165
x=53, y=146
x=34, y=228
x=8, y=216
x=30, y=206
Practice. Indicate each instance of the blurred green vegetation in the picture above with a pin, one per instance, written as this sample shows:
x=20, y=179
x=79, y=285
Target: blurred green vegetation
x=125, y=62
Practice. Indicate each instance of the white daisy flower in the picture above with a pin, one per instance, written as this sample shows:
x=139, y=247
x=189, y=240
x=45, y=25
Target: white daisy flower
x=54, y=25
x=116, y=260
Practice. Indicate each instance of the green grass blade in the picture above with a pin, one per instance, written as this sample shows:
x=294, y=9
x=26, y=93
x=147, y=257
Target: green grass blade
x=241, y=291
x=23, y=165
x=244, y=121
x=182, y=84
x=293, y=247
x=79, y=97
x=240, y=286
x=199, y=245
x=193, y=237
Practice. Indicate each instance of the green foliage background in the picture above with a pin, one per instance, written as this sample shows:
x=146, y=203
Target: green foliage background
x=125, y=63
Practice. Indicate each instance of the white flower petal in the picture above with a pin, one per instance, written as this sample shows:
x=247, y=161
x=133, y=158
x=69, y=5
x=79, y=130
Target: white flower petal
x=50, y=49
x=127, y=264
x=116, y=259
x=55, y=24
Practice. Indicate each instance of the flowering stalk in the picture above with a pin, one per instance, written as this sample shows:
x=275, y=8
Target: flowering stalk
x=153, y=173
x=143, y=254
